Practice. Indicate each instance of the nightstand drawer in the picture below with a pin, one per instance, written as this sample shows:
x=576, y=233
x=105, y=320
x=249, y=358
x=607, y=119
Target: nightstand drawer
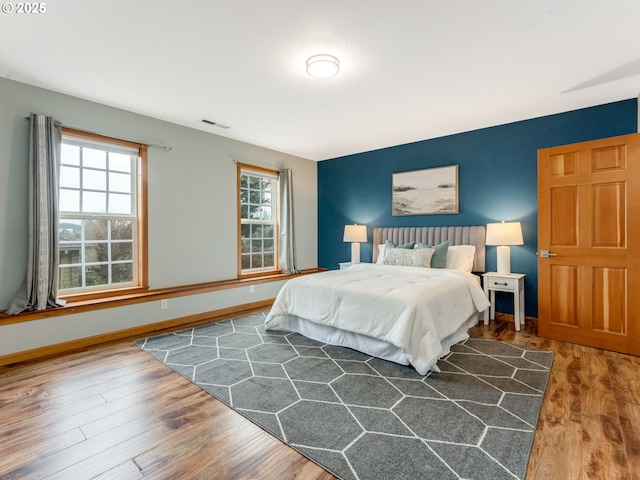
x=505, y=284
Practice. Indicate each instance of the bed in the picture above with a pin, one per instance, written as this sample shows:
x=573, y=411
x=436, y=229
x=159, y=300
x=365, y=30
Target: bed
x=393, y=308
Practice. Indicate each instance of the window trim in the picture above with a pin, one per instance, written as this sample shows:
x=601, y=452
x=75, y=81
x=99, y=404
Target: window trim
x=141, y=218
x=276, y=209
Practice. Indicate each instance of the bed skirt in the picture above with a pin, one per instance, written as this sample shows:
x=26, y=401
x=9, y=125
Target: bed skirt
x=363, y=343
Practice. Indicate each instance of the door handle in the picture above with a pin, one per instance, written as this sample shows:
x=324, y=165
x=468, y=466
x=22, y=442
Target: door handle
x=546, y=254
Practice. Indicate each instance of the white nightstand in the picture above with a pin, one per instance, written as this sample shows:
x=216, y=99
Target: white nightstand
x=505, y=282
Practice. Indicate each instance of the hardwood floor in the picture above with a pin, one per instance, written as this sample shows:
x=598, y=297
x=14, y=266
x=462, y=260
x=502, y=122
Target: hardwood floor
x=589, y=425
x=114, y=412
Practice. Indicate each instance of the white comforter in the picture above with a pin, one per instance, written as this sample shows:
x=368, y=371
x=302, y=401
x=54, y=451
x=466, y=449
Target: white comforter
x=415, y=309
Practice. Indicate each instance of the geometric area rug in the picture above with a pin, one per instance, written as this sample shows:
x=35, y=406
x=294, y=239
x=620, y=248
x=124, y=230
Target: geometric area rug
x=363, y=418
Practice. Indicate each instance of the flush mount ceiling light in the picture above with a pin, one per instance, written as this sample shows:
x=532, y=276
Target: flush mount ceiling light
x=323, y=66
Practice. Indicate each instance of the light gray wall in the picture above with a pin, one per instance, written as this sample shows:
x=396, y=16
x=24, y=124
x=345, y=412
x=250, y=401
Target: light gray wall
x=192, y=210
x=18, y=337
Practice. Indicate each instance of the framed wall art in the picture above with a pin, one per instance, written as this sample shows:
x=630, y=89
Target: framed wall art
x=432, y=191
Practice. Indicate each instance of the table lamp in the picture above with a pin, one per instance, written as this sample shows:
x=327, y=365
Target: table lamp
x=355, y=234
x=504, y=234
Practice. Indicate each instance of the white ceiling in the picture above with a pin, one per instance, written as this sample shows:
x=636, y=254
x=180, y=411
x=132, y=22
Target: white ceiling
x=410, y=69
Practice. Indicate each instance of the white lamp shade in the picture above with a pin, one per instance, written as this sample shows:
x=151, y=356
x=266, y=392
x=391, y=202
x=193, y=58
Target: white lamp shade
x=504, y=233
x=355, y=233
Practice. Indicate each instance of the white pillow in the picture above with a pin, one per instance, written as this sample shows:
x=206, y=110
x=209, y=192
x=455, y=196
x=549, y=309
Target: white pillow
x=460, y=257
x=389, y=244
x=408, y=258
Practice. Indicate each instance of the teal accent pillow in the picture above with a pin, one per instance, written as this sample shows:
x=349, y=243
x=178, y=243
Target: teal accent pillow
x=390, y=244
x=439, y=258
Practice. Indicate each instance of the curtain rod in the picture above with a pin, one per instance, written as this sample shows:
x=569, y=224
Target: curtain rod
x=259, y=165
x=163, y=147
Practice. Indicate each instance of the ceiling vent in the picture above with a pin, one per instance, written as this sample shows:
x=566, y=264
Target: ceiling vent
x=215, y=124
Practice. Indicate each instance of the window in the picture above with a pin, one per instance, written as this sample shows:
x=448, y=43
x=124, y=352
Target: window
x=102, y=200
x=257, y=202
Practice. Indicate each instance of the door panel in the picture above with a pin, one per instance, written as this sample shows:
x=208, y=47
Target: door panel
x=609, y=158
x=564, y=215
x=609, y=229
x=564, y=295
x=589, y=292
x=609, y=300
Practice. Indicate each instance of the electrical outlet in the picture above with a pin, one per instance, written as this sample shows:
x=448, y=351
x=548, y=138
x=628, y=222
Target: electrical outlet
x=164, y=304
x=252, y=289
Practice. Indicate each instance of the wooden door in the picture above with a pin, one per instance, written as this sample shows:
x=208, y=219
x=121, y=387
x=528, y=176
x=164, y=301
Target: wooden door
x=589, y=221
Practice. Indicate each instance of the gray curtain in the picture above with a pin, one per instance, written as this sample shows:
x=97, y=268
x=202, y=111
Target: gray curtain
x=40, y=287
x=287, y=229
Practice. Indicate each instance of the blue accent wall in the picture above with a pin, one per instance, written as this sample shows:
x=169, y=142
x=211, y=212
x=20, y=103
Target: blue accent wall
x=497, y=176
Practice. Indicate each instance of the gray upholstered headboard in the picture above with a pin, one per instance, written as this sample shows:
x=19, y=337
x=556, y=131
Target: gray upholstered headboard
x=474, y=235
